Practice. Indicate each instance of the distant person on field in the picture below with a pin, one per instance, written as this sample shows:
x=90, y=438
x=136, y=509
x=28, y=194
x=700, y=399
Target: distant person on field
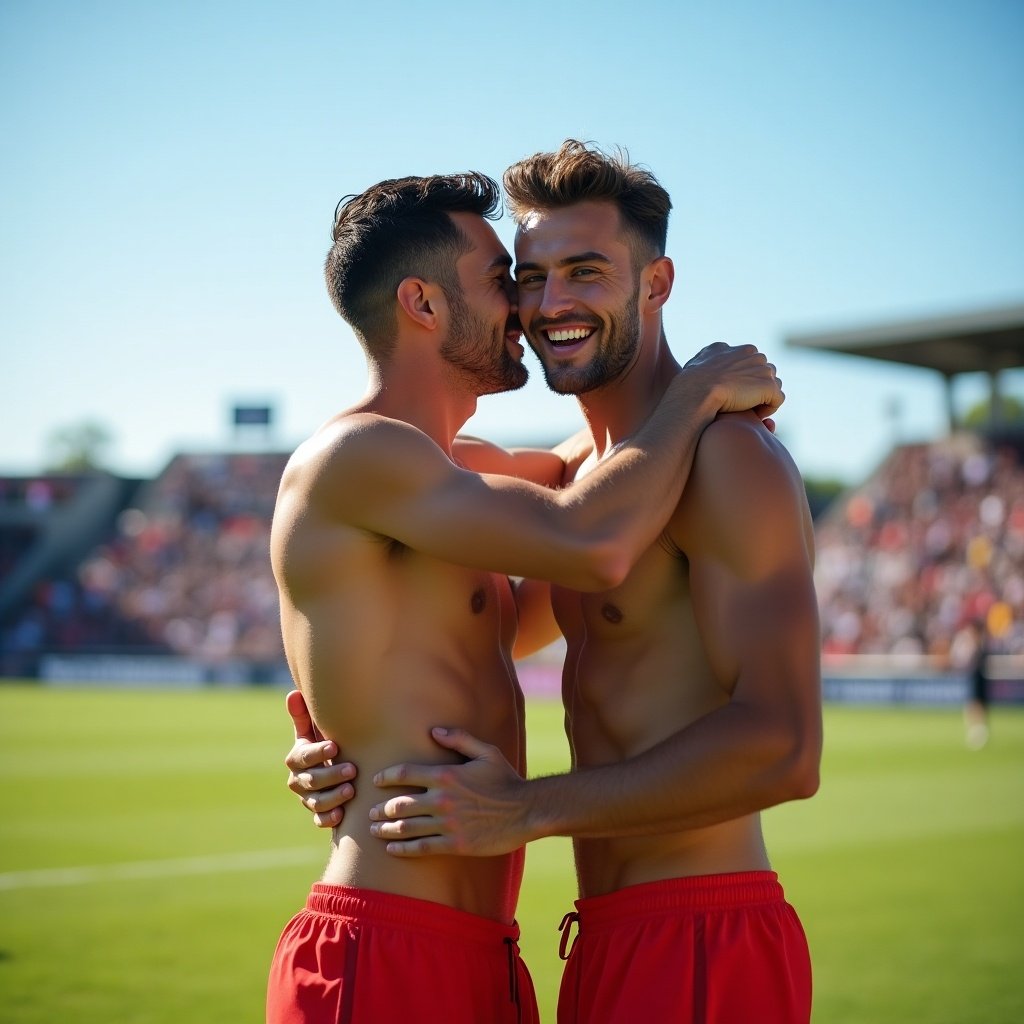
x=392, y=546
x=976, y=725
x=691, y=686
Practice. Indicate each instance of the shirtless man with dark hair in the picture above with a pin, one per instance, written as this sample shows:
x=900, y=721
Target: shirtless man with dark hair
x=691, y=688
x=392, y=545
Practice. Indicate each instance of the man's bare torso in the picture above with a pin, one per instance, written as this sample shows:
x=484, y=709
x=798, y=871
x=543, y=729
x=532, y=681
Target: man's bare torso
x=384, y=643
x=636, y=672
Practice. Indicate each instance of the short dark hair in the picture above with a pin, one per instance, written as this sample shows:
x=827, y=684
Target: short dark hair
x=578, y=172
x=396, y=229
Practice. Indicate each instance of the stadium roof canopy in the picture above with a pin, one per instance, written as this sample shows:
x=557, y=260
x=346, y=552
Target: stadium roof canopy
x=983, y=341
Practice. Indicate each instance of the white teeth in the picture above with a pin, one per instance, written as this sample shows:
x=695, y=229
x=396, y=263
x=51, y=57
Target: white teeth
x=573, y=335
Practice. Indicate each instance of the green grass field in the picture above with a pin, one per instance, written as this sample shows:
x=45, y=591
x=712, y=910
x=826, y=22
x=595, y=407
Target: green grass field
x=150, y=855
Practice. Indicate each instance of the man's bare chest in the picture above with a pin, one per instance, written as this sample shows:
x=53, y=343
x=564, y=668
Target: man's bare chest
x=655, y=595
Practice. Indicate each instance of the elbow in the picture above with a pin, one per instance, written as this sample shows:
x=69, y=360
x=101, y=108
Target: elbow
x=803, y=769
x=792, y=780
x=798, y=766
x=587, y=563
x=596, y=554
x=804, y=780
x=607, y=566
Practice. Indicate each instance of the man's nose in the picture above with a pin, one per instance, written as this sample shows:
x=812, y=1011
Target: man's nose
x=556, y=298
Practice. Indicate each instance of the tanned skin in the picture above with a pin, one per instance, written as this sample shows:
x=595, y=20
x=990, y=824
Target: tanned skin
x=692, y=688
x=393, y=558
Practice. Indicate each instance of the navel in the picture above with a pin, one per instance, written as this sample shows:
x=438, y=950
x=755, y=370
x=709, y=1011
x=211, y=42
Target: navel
x=478, y=601
x=612, y=613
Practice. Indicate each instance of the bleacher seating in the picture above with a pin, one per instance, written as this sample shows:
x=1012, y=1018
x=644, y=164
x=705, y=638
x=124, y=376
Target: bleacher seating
x=907, y=563
x=186, y=571
x=910, y=562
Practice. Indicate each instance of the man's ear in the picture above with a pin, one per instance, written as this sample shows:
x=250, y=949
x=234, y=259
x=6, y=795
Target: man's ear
x=656, y=283
x=420, y=301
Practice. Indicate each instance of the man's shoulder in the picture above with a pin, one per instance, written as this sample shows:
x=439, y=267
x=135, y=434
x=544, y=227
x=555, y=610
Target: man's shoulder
x=738, y=428
x=744, y=485
x=348, y=429
x=349, y=438
x=737, y=448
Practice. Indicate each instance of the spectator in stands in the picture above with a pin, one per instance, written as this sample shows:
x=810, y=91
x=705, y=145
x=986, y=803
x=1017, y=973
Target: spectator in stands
x=187, y=571
x=931, y=543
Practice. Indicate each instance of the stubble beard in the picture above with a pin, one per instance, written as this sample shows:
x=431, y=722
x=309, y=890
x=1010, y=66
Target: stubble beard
x=615, y=356
x=470, y=351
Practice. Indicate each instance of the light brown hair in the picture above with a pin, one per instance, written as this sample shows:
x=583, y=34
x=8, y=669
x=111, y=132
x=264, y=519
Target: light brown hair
x=579, y=172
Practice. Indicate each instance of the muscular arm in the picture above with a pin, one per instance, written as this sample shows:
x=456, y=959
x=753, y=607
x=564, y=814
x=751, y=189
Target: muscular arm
x=388, y=478
x=745, y=529
x=538, y=465
x=752, y=385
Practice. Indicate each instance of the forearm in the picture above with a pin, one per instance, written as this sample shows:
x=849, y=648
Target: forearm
x=730, y=763
x=536, y=465
x=726, y=765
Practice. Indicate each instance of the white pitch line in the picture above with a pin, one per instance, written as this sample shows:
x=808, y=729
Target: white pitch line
x=254, y=860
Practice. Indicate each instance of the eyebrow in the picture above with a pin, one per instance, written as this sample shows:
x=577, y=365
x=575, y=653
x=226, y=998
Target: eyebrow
x=504, y=260
x=568, y=261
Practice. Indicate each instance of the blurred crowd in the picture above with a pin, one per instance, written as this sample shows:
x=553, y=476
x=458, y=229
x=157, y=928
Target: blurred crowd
x=186, y=572
x=15, y=540
x=927, y=556
x=37, y=494
x=916, y=561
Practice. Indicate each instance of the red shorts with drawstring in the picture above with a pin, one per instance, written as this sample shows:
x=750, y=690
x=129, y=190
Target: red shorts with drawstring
x=714, y=949
x=355, y=955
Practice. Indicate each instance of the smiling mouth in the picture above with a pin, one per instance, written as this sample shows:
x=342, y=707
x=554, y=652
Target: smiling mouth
x=564, y=336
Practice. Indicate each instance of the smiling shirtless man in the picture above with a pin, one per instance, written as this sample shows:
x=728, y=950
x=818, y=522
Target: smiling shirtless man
x=691, y=688
x=393, y=561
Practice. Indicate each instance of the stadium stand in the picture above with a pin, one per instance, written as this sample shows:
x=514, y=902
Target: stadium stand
x=921, y=569
x=182, y=570
x=908, y=562
x=931, y=545
x=175, y=572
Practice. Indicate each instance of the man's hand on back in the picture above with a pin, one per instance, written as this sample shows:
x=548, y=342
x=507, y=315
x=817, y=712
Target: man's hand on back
x=323, y=787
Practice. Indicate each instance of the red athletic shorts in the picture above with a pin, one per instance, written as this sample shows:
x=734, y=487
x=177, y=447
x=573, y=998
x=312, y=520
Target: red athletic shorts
x=355, y=955
x=715, y=949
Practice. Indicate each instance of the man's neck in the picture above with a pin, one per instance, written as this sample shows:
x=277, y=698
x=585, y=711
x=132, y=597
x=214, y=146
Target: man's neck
x=617, y=410
x=425, y=400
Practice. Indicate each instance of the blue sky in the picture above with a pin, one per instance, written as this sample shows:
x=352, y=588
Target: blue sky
x=169, y=173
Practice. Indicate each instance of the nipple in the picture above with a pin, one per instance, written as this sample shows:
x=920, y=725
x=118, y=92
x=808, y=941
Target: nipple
x=612, y=613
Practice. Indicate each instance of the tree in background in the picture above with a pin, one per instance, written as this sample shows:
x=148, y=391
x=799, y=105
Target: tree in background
x=1011, y=411
x=78, y=447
